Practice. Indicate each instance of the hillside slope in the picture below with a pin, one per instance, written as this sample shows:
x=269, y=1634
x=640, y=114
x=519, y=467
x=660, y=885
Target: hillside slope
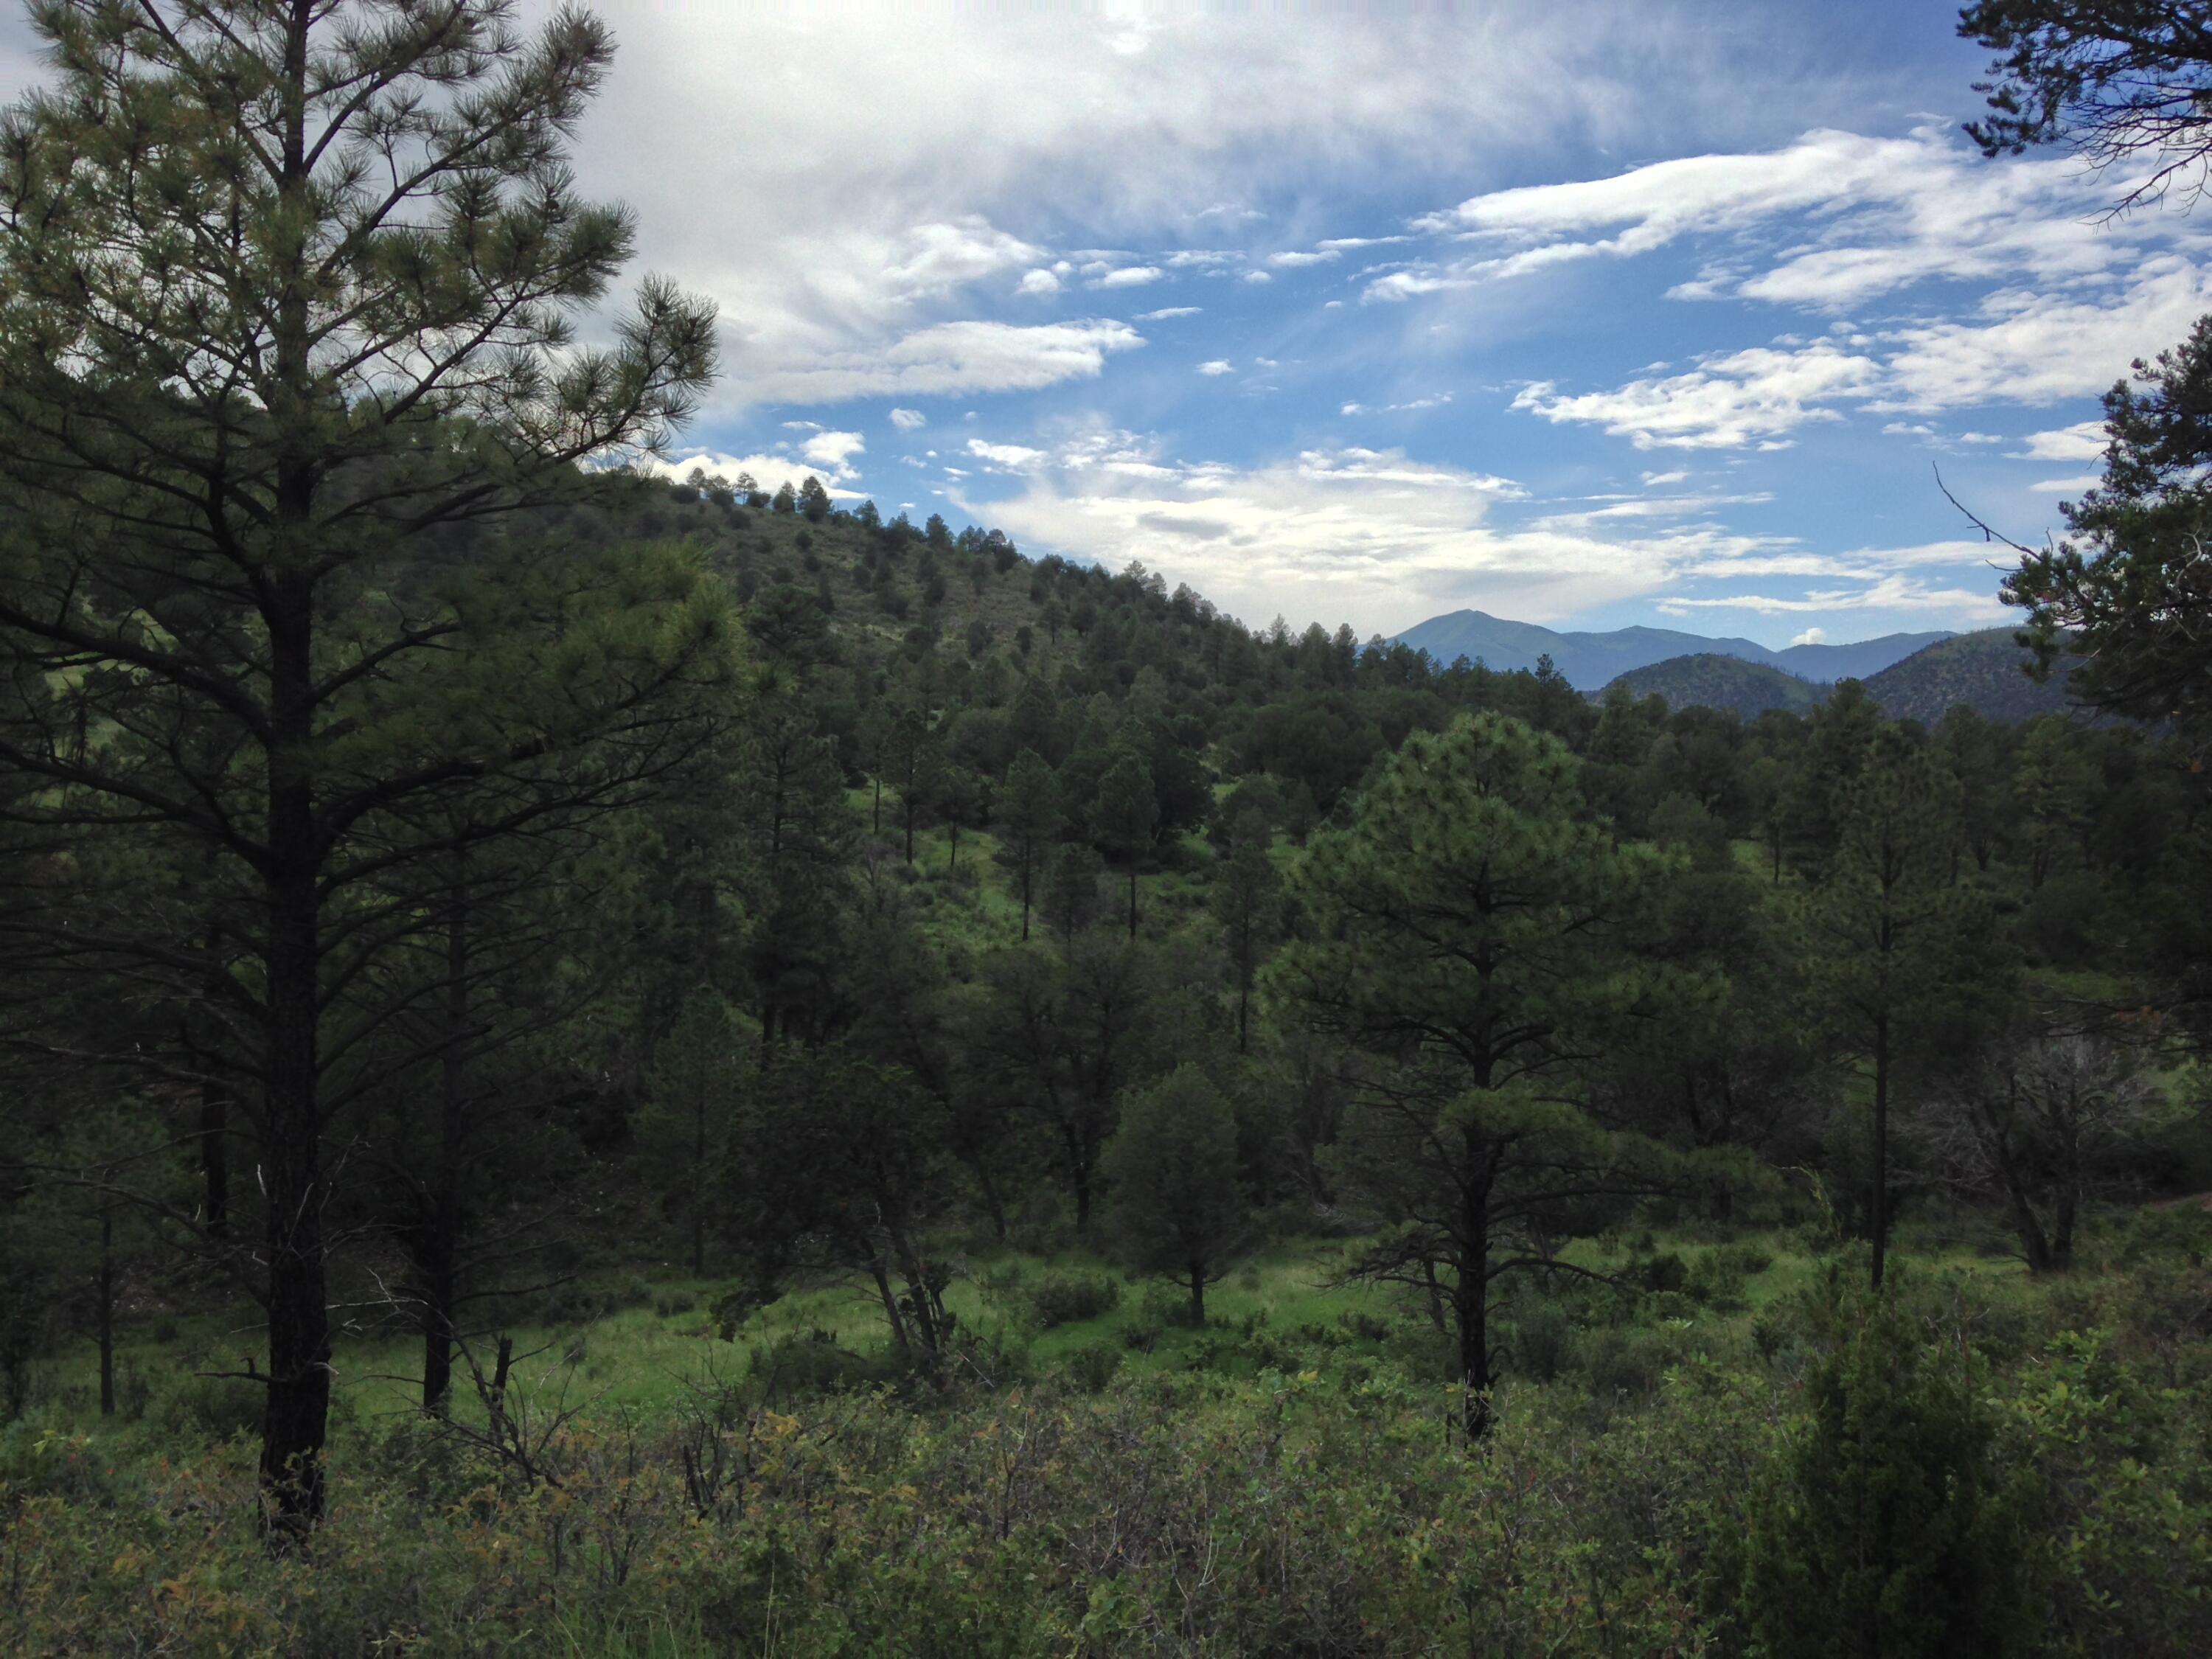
x=1985, y=671
x=1710, y=680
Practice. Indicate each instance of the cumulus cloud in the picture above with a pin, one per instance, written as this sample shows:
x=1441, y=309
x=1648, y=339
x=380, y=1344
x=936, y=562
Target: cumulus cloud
x=1166, y=312
x=1367, y=534
x=1129, y=277
x=909, y=419
x=1292, y=261
x=832, y=449
x=1216, y=366
x=770, y=472
x=1811, y=636
x=1038, y=279
x=2084, y=440
x=837, y=231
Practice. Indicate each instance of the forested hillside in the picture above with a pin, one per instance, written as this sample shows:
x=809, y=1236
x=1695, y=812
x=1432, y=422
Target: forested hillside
x=1727, y=684
x=597, y=1064
x=1986, y=671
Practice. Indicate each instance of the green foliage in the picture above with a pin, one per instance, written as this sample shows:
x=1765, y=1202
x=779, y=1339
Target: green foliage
x=1177, y=1209
x=1888, y=1524
x=1070, y=1298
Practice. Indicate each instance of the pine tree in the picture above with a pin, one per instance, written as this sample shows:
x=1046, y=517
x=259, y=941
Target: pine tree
x=1885, y=933
x=1469, y=930
x=221, y=455
x=1177, y=1209
x=1030, y=818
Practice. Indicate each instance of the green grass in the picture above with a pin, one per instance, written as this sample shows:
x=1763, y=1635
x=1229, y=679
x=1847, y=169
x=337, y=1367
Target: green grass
x=634, y=1358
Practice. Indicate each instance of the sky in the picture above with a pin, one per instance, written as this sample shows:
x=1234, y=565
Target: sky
x=1579, y=314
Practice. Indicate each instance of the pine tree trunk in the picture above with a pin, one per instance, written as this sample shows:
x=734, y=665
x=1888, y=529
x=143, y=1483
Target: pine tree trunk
x=214, y=1158
x=105, y=1312
x=1880, y=1208
x=296, y=1419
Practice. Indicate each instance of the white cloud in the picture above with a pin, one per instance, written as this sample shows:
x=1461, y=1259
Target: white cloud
x=1292, y=261
x=1257, y=277
x=2072, y=488
x=1369, y=535
x=1038, y=279
x=1850, y=217
x=1730, y=401
x=1130, y=276
x=1007, y=456
x=2022, y=347
x=1166, y=312
x=1811, y=636
x=909, y=419
x=2084, y=440
x=948, y=357
x=1969, y=607
x=2013, y=347
x=1652, y=480
x=833, y=449
x=1216, y=366
x=770, y=472
x=1435, y=400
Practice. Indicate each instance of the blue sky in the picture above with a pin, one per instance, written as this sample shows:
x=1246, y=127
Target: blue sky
x=1584, y=315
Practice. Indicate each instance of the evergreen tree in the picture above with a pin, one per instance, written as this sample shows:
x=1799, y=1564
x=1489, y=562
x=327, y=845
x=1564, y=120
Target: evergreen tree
x=1886, y=1528
x=245, y=440
x=1124, y=814
x=1177, y=1209
x=1885, y=934
x=1247, y=905
x=697, y=1083
x=1030, y=819
x=1469, y=930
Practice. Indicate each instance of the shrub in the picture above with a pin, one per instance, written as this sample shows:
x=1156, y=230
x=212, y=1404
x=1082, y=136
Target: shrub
x=1540, y=1340
x=1065, y=1298
x=796, y=1367
x=199, y=1408
x=1664, y=1271
x=669, y=1303
x=1886, y=1510
x=1091, y=1366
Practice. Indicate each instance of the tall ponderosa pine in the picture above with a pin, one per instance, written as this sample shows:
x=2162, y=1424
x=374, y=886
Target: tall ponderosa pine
x=1030, y=817
x=1886, y=936
x=284, y=308
x=1469, y=930
x=1125, y=812
x=698, y=1078
x=1248, y=903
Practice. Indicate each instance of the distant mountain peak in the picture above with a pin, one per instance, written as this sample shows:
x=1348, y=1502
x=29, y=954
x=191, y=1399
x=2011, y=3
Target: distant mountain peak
x=1590, y=660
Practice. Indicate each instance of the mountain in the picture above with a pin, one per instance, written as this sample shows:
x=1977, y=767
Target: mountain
x=1982, y=670
x=1590, y=660
x=1830, y=662
x=1710, y=680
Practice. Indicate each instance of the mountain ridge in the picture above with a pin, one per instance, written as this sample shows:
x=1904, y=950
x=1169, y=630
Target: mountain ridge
x=1590, y=660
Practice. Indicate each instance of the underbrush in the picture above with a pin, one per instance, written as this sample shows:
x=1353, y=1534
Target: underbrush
x=1291, y=1479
